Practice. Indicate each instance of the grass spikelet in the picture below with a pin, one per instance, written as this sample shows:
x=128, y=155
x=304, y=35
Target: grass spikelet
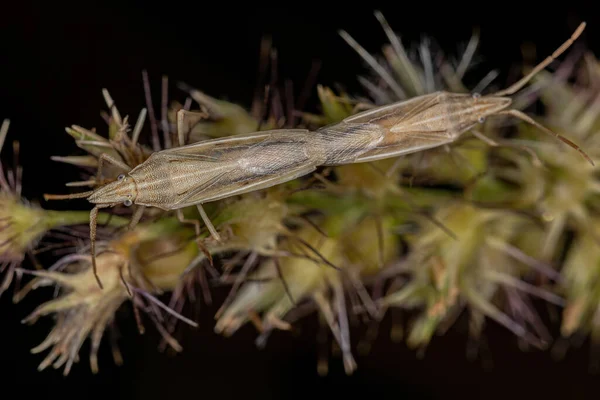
x=475, y=270
x=568, y=194
x=223, y=118
x=325, y=268
x=136, y=266
x=23, y=223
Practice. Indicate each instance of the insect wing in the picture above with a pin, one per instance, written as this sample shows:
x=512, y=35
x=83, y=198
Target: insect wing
x=219, y=168
x=406, y=130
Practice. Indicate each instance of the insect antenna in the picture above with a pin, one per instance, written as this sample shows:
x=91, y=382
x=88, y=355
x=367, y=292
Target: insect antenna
x=522, y=116
x=67, y=196
x=523, y=81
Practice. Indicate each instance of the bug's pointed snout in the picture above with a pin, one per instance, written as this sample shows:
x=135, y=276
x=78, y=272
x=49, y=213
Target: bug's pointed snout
x=121, y=191
x=492, y=105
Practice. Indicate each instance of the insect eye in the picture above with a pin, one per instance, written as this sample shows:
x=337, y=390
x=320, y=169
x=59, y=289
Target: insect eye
x=121, y=177
x=476, y=96
x=481, y=120
x=128, y=203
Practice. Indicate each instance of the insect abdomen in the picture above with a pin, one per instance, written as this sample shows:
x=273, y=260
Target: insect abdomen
x=343, y=143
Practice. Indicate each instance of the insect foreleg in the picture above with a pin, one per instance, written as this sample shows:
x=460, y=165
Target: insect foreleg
x=93, y=224
x=136, y=217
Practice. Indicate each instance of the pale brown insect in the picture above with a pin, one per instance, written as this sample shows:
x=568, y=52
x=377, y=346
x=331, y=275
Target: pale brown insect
x=215, y=169
x=426, y=121
x=210, y=170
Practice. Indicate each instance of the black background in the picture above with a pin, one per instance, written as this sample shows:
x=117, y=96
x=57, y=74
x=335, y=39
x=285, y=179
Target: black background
x=56, y=58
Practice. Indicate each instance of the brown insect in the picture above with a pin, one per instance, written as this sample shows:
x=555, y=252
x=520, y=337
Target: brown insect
x=427, y=121
x=215, y=169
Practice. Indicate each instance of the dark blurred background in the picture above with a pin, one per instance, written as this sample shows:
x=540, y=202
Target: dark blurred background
x=54, y=61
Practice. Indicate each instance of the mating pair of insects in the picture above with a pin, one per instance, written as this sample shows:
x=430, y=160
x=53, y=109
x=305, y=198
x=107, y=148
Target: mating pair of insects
x=191, y=175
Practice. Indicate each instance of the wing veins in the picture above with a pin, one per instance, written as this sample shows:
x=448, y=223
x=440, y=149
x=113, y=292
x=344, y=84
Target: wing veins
x=205, y=186
x=419, y=108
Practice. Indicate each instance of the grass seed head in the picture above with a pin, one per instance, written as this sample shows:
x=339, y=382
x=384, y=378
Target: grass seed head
x=134, y=266
x=474, y=270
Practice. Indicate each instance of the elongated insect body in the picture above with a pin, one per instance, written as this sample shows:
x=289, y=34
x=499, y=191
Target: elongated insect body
x=434, y=119
x=211, y=170
x=406, y=127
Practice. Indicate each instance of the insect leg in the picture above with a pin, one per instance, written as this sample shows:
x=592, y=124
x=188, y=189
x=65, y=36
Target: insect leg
x=524, y=117
x=182, y=131
x=196, y=224
x=209, y=224
x=536, y=160
x=137, y=216
x=93, y=224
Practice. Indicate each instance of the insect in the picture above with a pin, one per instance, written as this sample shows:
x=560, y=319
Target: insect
x=211, y=170
x=427, y=121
